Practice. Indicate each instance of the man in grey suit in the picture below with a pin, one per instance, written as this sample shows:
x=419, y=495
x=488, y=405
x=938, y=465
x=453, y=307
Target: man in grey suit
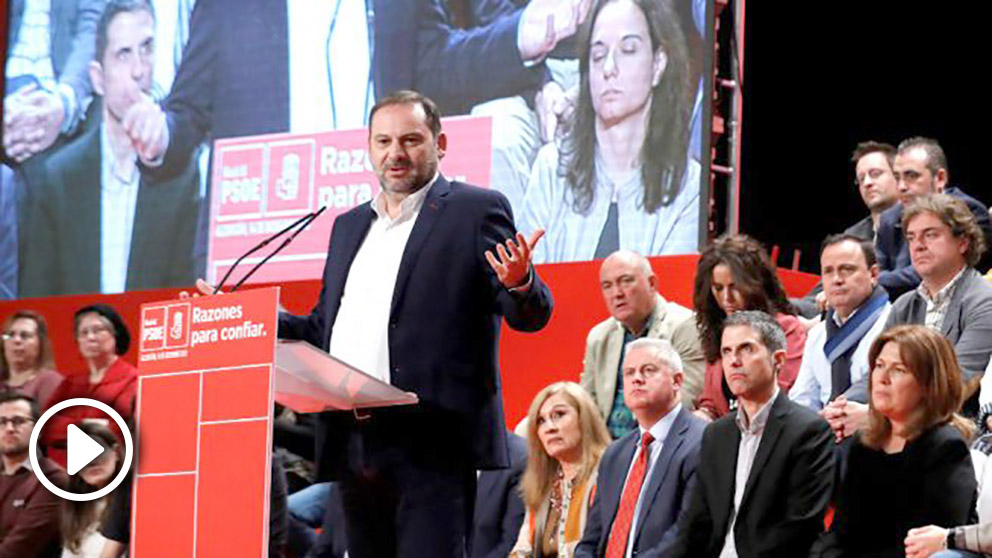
x=646, y=478
x=630, y=290
x=945, y=243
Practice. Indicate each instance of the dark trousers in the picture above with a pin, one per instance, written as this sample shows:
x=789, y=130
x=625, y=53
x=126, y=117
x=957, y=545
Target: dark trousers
x=409, y=489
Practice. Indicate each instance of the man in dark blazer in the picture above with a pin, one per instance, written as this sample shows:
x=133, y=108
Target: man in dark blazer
x=945, y=243
x=765, y=472
x=62, y=242
x=920, y=169
x=652, y=382
x=408, y=474
x=499, y=509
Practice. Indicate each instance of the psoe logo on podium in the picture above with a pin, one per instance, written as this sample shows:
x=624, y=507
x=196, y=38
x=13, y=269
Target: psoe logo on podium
x=165, y=327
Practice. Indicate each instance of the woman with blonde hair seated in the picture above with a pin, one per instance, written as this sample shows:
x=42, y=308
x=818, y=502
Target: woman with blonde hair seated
x=566, y=437
x=911, y=465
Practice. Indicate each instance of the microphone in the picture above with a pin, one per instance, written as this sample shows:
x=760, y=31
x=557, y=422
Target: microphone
x=299, y=225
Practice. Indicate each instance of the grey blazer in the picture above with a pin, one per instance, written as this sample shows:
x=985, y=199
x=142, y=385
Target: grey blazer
x=967, y=324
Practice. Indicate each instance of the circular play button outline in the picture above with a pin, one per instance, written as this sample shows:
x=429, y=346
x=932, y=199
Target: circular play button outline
x=33, y=449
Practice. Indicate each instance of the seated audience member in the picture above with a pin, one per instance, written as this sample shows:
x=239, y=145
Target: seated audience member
x=26, y=362
x=566, y=437
x=647, y=477
x=920, y=170
x=622, y=176
x=81, y=537
x=29, y=520
x=499, y=510
x=766, y=472
x=873, y=163
x=636, y=311
x=836, y=352
x=98, y=224
x=735, y=273
x=953, y=299
x=102, y=338
x=911, y=465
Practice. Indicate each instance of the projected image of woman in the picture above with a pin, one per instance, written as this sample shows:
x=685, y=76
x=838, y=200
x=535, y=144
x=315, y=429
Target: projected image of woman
x=621, y=177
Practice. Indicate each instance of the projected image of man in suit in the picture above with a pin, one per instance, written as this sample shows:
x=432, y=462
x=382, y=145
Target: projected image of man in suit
x=99, y=224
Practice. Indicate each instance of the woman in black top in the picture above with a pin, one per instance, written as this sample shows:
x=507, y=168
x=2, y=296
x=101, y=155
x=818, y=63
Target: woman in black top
x=911, y=466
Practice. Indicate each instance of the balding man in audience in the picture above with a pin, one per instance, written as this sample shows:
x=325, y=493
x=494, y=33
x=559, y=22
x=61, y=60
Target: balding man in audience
x=836, y=352
x=765, y=472
x=945, y=243
x=646, y=478
x=920, y=169
x=630, y=290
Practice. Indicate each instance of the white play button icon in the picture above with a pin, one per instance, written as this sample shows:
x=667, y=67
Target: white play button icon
x=81, y=449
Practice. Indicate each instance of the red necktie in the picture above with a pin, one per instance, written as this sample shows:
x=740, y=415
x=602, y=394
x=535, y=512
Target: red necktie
x=620, y=532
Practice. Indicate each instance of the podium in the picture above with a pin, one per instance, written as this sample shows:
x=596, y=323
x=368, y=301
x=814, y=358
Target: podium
x=209, y=370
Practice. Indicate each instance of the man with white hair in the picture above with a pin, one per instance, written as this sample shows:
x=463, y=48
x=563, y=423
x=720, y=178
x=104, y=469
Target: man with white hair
x=646, y=478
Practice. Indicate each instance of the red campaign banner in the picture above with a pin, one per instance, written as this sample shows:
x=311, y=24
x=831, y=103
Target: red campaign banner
x=261, y=184
x=204, y=422
x=208, y=332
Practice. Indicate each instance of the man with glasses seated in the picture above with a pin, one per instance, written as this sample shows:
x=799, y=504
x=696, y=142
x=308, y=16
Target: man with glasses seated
x=29, y=519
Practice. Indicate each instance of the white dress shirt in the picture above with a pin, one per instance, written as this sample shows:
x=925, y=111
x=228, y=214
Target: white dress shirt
x=119, y=183
x=751, y=432
x=814, y=382
x=659, y=431
x=330, y=64
x=360, y=336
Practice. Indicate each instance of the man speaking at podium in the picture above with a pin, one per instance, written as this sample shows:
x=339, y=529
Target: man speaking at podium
x=415, y=285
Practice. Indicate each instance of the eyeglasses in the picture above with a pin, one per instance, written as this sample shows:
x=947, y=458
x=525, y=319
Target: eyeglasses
x=95, y=331
x=22, y=335
x=16, y=422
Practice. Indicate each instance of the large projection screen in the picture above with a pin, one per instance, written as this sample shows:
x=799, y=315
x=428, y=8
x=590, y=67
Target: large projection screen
x=595, y=132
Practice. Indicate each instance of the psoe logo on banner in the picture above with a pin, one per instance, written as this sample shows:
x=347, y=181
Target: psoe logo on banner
x=240, y=184
x=291, y=167
x=165, y=327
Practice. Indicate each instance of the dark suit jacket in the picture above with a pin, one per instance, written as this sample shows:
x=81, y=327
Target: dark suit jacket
x=499, y=510
x=444, y=320
x=234, y=78
x=898, y=275
x=666, y=497
x=967, y=324
x=62, y=238
x=787, y=492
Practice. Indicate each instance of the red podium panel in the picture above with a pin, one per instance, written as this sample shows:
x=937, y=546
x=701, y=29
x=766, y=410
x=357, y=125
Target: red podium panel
x=204, y=423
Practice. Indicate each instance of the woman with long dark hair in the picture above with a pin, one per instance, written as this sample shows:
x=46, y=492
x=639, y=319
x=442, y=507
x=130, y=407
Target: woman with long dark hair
x=621, y=176
x=734, y=273
x=80, y=521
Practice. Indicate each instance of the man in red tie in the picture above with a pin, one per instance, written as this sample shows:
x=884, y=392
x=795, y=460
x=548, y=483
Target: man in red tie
x=646, y=477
